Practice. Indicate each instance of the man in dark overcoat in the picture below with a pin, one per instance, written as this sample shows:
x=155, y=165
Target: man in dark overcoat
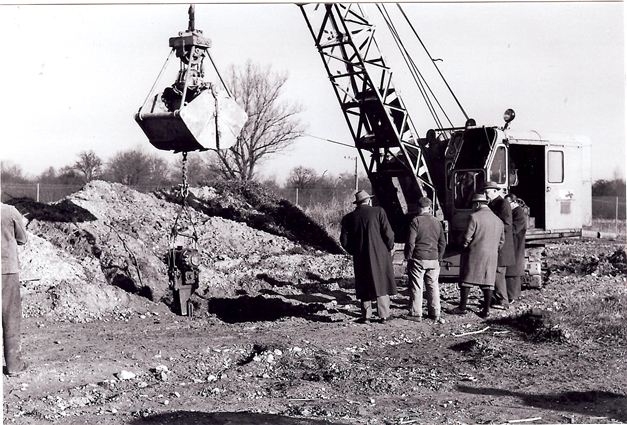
x=367, y=235
x=507, y=258
x=519, y=230
x=481, y=240
x=13, y=234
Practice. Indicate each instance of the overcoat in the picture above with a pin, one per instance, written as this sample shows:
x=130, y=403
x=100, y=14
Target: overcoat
x=367, y=235
x=519, y=230
x=481, y=240
x=503, y=210
x=13, y=234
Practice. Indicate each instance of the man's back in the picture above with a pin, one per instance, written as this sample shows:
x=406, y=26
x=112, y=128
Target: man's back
x=426, y=238
x=13, y=233
x=366, y=229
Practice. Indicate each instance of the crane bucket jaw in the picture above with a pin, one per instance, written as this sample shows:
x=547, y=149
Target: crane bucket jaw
x=209, y=121
x=191, y=114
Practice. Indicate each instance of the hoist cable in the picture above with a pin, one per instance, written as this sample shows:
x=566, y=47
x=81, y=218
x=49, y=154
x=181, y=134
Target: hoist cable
x=415, y=73
x=152, y=89
x=419, y=79
x=432, y=61
x=218, y=74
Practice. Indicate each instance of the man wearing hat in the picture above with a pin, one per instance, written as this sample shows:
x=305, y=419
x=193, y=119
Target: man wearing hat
x=423, y=251
x=367, y=235
x=507, y=255
x=481, y=240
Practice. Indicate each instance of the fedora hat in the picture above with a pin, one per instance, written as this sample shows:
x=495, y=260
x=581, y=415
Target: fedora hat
x=361, y=196
x=479, y=197
x=490, y=185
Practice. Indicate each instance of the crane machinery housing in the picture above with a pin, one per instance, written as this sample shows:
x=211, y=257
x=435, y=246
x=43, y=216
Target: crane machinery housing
x=448, y=164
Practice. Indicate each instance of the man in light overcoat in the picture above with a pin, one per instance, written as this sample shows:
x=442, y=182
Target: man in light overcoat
x=13, y=234
x=481, y=240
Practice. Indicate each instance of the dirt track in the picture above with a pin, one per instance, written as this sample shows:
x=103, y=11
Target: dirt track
x=282, y=347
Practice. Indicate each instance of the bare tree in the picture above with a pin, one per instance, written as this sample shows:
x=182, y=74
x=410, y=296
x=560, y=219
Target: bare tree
x=12, y=173
x=272, y=125
x=302, y=177
x=199, y=169
x=89, y=164
x=135, y=167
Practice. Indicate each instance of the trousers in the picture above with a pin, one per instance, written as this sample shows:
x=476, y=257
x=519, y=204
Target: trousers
x=424, y=274
x=500, y=287
x=383, y=307
x=12, y=322
x=513, y=287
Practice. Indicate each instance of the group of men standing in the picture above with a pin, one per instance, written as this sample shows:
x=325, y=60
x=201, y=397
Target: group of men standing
x=492, y=258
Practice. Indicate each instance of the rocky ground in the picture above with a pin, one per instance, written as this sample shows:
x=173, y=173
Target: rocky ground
x=274, y=340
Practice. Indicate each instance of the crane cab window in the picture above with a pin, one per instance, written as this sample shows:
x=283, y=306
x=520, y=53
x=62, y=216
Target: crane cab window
x=466, y=185
x=555, y=166
x=498, y=169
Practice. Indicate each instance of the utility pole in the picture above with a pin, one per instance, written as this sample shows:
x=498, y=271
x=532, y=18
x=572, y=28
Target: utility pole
x=356, y=178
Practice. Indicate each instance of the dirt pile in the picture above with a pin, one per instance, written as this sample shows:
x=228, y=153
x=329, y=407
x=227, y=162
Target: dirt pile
x=102, y=249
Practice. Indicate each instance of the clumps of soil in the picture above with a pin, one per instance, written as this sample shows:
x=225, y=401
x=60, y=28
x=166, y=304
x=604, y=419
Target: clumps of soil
x=478, y=351
x=64, y=211
x=538, y=326
x=602, y=264
x=250, y=203
x=578, y=258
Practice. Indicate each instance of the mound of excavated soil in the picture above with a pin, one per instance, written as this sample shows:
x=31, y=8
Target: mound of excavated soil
x=102, y=249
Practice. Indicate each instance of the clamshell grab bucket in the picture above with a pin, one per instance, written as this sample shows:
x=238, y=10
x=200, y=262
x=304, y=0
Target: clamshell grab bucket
x=206, y=122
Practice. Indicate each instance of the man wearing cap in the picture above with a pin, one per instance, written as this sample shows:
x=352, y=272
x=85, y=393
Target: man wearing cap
x=507, y=257
x=481, y=240
x=13, y=234
x=423, y=251
x=367, y=235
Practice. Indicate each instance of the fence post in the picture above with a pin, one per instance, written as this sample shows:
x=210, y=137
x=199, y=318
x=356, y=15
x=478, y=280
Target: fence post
x=296, y=196
x=37, y=192
x=616, y=217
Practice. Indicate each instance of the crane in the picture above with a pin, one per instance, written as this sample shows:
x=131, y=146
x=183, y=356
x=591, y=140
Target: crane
x=449, y=164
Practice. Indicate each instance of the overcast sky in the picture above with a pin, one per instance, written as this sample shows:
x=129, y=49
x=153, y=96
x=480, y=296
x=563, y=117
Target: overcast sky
x=73, y=76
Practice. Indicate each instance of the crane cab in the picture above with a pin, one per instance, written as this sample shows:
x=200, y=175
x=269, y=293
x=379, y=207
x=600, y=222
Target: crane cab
x=551, y=174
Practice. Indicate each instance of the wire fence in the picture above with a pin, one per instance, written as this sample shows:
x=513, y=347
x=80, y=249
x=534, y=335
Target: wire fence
x=603, y=207
x=47, y=193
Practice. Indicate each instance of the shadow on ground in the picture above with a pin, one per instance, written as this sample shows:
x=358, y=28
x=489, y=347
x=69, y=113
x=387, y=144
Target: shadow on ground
x=589, y=403
x=225, y=418
x=259, y=309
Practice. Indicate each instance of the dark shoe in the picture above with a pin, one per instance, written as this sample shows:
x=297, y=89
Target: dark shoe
x=457, y=310
x=19, y=369
x=484, y=314
x=361, y=320
x=414, y=318
x=383, y=320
